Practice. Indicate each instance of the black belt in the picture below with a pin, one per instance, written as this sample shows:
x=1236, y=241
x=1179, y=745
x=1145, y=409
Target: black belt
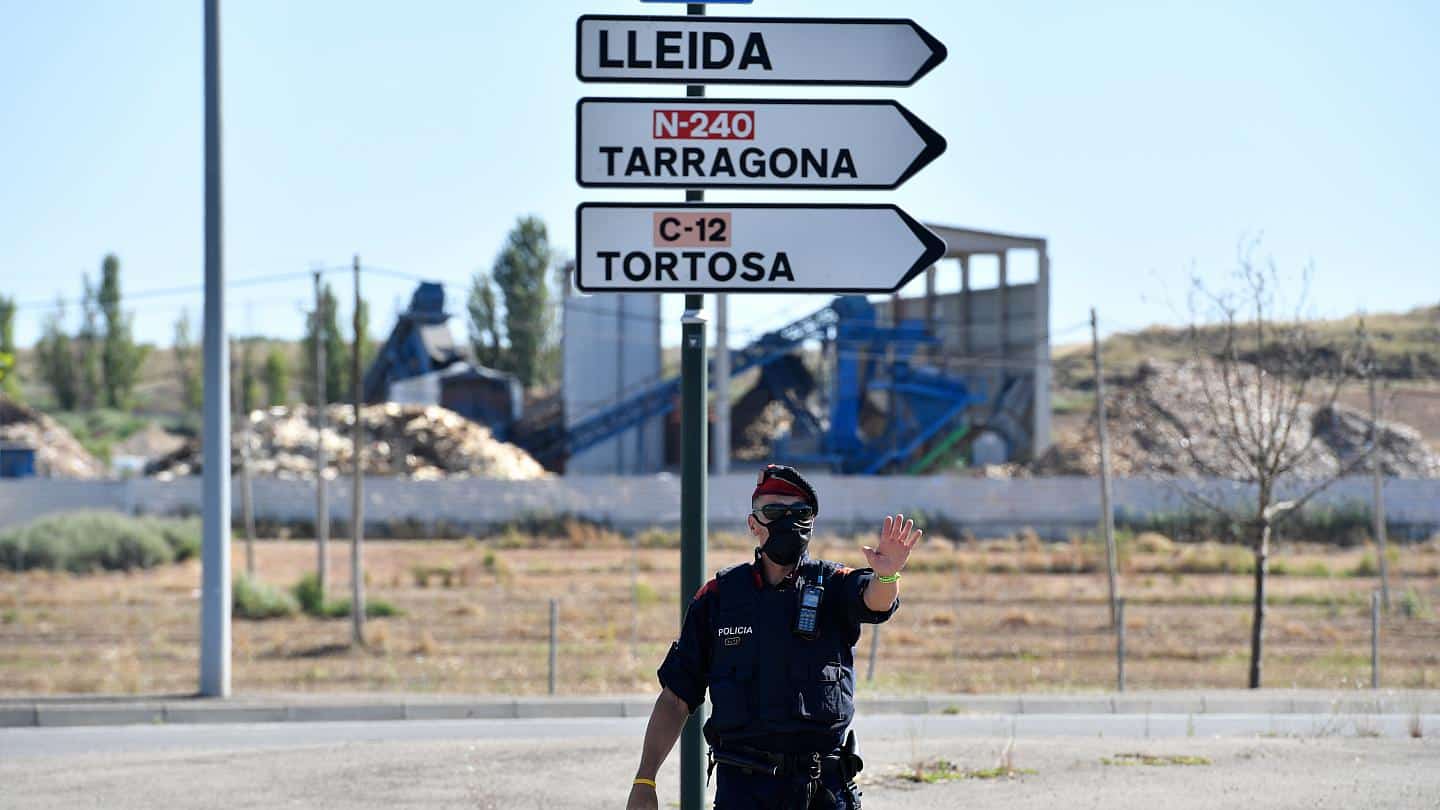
x=810, y=765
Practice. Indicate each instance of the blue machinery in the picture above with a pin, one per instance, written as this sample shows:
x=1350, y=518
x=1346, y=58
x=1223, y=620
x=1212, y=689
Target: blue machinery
x=927, y=408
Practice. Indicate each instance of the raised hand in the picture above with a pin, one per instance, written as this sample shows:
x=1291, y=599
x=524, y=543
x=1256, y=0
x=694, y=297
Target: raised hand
x=897, y=537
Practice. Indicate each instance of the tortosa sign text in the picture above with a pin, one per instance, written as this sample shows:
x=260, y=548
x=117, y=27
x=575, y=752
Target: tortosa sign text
x=745, y=50
x=754, y=247
x=749, y=143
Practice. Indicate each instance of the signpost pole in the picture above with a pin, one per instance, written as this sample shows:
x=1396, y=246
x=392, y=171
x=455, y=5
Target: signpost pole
x=215, y=547
x=693, y=486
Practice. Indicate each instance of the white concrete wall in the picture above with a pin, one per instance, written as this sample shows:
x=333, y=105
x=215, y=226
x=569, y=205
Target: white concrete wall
x=1052, y=506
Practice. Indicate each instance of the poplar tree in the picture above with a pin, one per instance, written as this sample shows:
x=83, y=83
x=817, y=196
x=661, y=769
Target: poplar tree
x=484, y=321
x=9, y=379
x=187, y=365
x=87, y=347
x=120, y=357
x=55, y=357
x=521, y=273
x=277, y=378
x=325, y=325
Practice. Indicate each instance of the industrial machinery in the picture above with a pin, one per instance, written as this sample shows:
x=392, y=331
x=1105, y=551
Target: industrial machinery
x=923, y=413
x=419, y=363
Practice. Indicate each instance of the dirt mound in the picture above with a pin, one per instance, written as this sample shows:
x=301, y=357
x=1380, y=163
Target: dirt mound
x=413, y=441
x=57, y=453
x=1159, y=425
x=151, y=442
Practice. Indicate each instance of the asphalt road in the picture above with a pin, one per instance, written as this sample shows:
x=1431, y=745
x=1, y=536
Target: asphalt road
x=1331, y=762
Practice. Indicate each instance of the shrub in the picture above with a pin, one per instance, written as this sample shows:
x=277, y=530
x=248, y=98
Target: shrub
x=1367, y=567
x=84, y=542
x=1153, y=543
x=645, y=594
x=182, y=534
x=655, y=537
x=1414, y=605
x=307, y=593
x=256, y=600
x=374, y=609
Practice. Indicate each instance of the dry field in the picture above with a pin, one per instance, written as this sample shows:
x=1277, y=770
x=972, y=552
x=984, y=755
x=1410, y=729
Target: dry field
x=986, y=616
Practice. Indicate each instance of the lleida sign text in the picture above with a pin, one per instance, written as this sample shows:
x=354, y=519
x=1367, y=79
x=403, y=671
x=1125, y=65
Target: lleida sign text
x=744, y=50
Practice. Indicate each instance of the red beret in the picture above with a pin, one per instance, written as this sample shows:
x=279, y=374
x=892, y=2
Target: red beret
x=776, y=486
x=778, y=479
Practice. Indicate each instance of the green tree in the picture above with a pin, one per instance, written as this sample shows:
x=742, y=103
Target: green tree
x=249, y=383
x=337, y=355
x=87, y=347
x=187, y=365
x=9, y=380
x=277, y=378
x=484, y=321
x=120, y=357
x=55, y=356
x=521, y=273
x=367, y=347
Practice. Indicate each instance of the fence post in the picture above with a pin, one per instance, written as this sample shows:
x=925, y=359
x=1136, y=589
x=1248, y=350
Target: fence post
x=554, y=630
x=1375, y=639
x=1120, y=644
x=874, y=649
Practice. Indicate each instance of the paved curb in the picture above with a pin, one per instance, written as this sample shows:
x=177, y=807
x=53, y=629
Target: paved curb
x=102, y=712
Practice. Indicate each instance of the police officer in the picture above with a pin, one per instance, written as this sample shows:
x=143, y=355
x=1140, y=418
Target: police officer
x=774, y=642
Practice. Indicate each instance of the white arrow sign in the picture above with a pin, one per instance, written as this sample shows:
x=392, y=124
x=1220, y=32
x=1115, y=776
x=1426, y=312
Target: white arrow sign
x=747, y=143
x=753, y=50
x=750, y=247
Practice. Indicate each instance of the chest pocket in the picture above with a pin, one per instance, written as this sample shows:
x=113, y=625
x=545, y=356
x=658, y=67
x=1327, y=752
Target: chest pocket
x=732, y=670
x=823, y=691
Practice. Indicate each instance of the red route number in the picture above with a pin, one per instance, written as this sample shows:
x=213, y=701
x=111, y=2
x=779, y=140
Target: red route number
x=704, y=125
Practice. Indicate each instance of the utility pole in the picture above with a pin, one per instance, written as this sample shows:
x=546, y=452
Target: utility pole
x=357, y=481
x=247, y=493
x=215, y=544
x=1377, y=507
x=693, y=485
x=322, y=501
x=1107, y=517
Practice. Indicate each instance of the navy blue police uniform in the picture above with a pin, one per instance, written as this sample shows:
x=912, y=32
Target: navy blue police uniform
x=778, y=698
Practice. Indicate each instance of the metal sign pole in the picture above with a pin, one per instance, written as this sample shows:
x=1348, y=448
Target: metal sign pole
x=693, y=485
x=215, y=548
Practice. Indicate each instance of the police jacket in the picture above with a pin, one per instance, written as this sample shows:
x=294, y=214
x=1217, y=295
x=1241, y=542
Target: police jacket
x=769, y=687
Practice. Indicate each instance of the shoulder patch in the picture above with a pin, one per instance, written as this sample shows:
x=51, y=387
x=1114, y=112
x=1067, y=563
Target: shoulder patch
x=842, y=570
x=706, y=588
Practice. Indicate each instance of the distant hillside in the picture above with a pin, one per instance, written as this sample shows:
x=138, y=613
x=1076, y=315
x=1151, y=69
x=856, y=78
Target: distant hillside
x=1408, y=345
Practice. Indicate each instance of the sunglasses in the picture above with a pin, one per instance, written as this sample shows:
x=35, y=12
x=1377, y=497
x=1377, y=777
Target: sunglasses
x=779, y=511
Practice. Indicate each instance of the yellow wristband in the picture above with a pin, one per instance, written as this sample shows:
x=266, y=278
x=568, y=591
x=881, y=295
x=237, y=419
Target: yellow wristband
x=640, y=780
x=895, y=577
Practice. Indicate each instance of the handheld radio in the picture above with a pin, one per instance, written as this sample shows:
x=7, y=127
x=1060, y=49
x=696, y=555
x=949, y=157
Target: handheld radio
x=807, y=618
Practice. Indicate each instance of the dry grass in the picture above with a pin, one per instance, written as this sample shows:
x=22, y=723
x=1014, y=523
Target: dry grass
x=986, y=617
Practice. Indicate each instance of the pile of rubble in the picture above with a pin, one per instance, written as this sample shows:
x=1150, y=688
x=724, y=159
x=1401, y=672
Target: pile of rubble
x=1172, y=421
x=57, y=453
x=413, y=441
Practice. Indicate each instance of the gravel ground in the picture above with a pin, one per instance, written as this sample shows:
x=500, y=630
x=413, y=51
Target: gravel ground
x=1257, y=773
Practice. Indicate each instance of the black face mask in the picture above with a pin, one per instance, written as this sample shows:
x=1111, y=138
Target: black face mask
x=788, y=540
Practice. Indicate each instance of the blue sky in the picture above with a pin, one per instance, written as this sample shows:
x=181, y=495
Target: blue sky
x=1144, y=140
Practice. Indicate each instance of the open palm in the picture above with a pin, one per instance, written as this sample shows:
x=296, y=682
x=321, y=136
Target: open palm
x=897, y=537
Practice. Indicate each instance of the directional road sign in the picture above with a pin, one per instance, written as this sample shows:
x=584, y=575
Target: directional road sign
x=753, y=50
x=749, y=143
x=750, y=247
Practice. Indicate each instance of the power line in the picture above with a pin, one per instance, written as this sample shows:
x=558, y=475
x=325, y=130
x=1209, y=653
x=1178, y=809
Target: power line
x=191, y=289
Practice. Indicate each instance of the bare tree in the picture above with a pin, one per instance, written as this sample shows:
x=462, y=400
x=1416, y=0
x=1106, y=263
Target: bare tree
x=1262, y=372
